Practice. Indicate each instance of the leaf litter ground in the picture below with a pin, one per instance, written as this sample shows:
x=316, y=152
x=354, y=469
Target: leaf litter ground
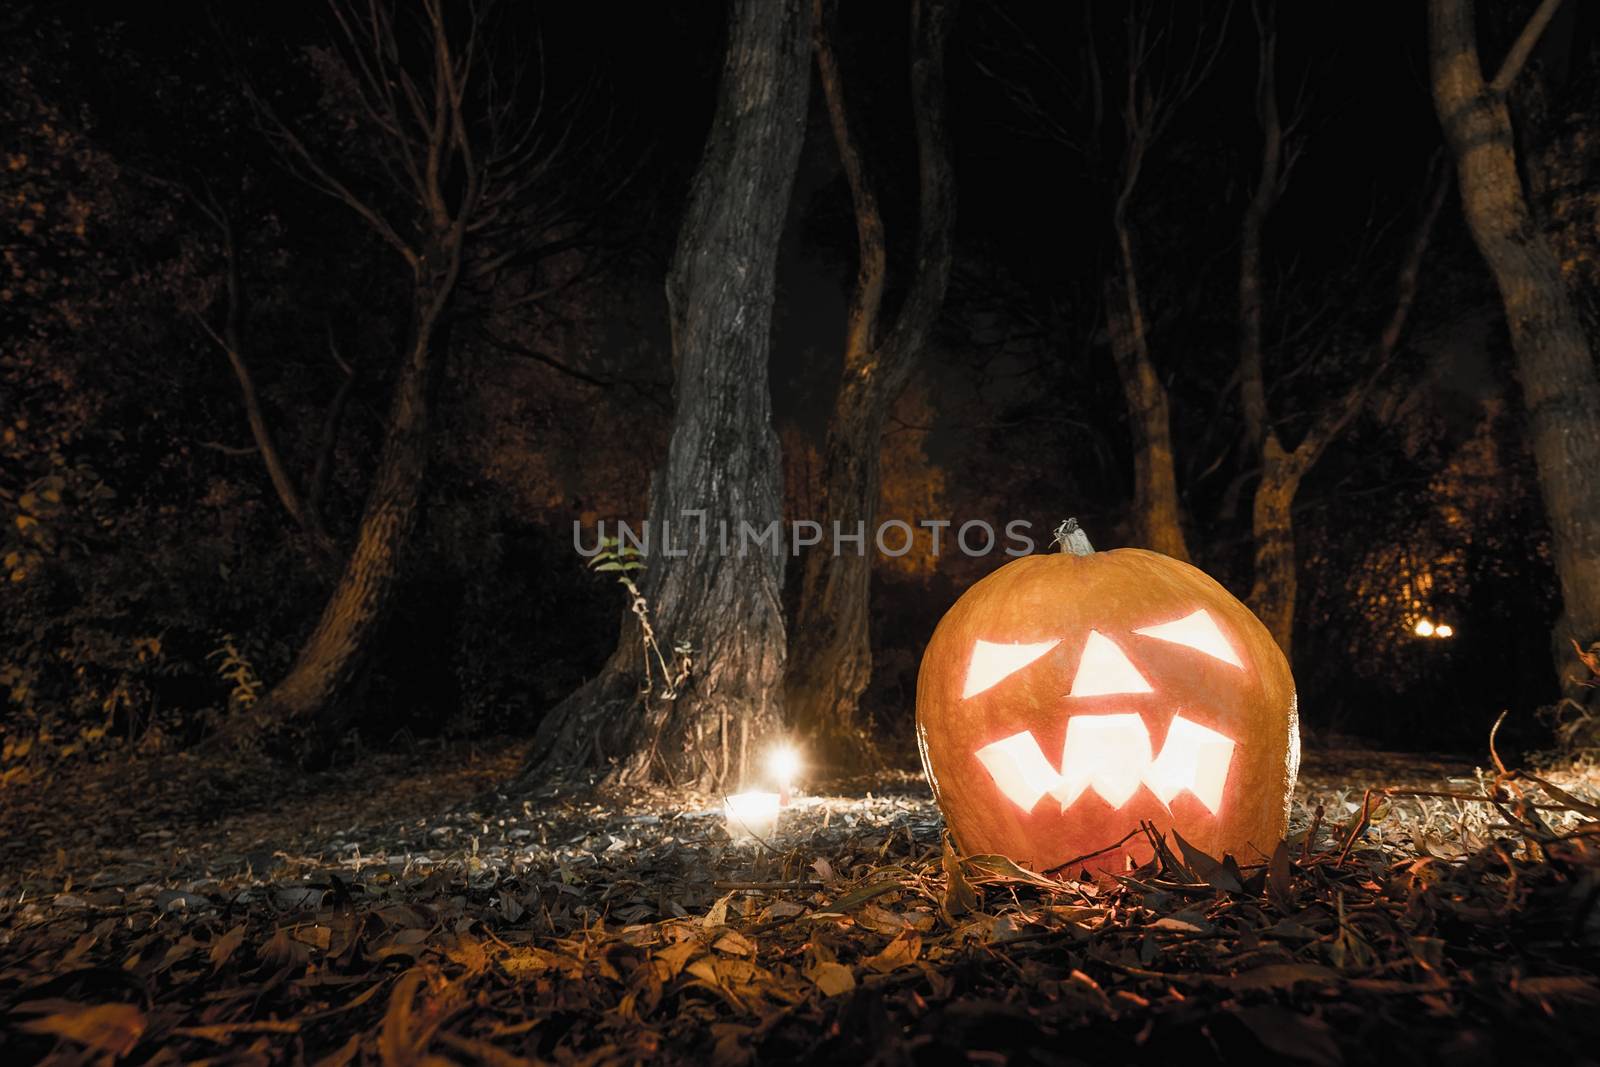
x=406, y=911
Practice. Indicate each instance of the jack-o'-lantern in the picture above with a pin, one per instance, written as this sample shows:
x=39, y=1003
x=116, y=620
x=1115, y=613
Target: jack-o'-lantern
x=1069, y=696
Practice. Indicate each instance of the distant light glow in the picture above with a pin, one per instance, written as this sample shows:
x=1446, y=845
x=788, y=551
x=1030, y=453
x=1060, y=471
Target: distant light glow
x=992, y=663
x=1423, y=628
x=1105, y=670
x=1444, y=629
x=1198, y=631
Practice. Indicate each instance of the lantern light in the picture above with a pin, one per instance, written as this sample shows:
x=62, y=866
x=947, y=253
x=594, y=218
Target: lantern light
x=783, y=763
x=1444, y=630
x=1423, y=628
x=751, y=816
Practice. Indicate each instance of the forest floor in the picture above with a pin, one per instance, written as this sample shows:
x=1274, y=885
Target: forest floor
x=408, y=910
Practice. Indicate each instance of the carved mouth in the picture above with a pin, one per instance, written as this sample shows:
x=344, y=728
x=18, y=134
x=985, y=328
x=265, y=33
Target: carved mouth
x=1112, y=755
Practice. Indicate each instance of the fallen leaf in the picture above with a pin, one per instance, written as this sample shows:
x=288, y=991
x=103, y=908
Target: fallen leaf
x=733, y=943
x=988, y=868
x=113, y=1028
x=1206, y=868
x=717, y=915
x=675, y=956
x=224, y=947
x=1292, y=1035
x=1281, y=976
x=831, y=978
x=1573, y=988
x=959, y=896
x=1279, y=879
x=903, y=951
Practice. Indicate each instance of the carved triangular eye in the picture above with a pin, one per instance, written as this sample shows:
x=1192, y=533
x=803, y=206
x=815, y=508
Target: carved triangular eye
x=1199, y=632
x=1104, y=670
x=993, y=663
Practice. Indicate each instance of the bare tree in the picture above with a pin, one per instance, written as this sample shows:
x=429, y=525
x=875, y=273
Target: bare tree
x=1148, y=103
x=722, y=609
x=1556, y=366
x=1134, y=102
x=1281, y=467
x=830, y=656
x=459, y=158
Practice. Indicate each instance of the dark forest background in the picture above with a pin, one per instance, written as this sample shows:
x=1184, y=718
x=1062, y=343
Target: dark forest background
x=155, y=583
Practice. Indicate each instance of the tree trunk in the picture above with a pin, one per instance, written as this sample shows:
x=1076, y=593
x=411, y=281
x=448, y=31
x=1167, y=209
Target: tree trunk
x=1554, y=362
x=830, y=662
x=830, y=658
x=722, y=462
x=337, y=652
x=1272, y=594
x=1157, y=514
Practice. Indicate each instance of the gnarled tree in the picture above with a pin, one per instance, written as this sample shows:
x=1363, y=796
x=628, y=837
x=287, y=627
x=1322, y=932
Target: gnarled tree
x=830, y=658
x=457, y=158
x=1555, y=363
x=722, y=461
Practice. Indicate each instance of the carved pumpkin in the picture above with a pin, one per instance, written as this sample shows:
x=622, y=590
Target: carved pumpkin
x=1066, y=697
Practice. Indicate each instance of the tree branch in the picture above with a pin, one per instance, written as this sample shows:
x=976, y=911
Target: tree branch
x=1335, y=417
x=866, y=299
x=1269, y=184
x=1523, y=47
x=516, y=348
x=228, y=340
x=931, y=23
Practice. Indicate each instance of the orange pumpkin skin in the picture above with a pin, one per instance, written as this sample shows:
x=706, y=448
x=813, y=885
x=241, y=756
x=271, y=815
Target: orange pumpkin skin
x=1062, y=597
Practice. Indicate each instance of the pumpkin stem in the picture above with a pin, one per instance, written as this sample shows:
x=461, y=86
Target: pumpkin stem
x=1070, y=536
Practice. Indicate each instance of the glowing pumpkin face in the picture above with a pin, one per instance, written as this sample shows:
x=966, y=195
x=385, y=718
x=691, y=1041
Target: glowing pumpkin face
x=1067, y=697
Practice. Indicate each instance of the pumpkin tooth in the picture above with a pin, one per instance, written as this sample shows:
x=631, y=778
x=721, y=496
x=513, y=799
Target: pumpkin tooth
x=1108, y=752
x=1194, y=758
x=1112, y=755
x=1019, y=769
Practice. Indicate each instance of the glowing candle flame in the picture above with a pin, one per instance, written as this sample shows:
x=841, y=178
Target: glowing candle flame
x=783, y=763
